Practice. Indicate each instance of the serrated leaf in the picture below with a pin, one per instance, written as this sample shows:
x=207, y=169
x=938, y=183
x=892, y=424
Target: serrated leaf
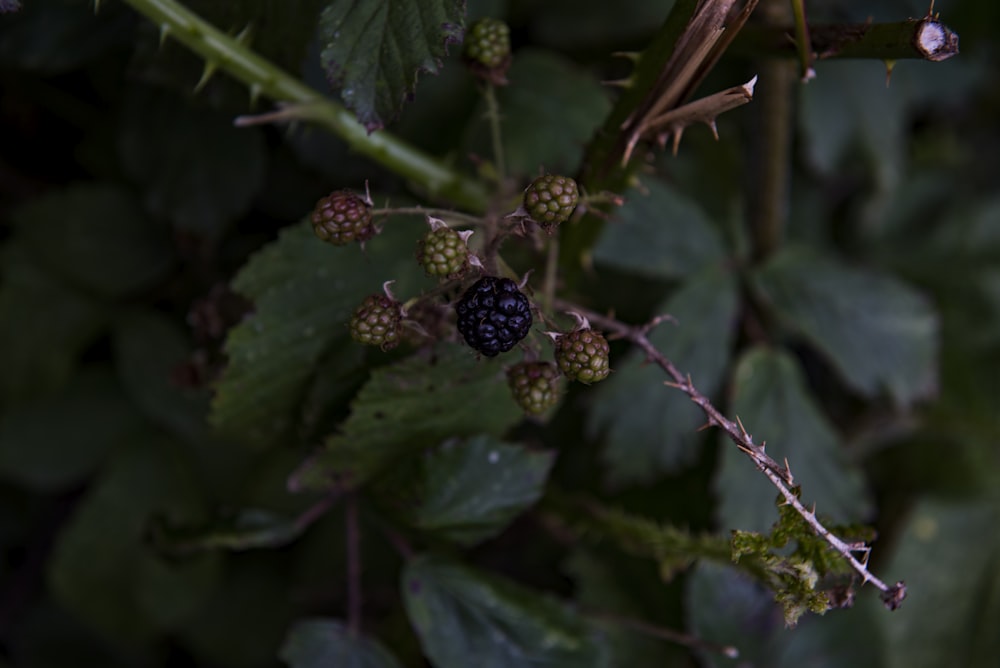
x=879, y=333
x=415, y=403
x=648, y=428
x=304, y=292
x=949, y=556
x=147, y=348
x=548, y=113
x=459, y=614
x=474, y=488
x=771, y=399
x=322, y=643
x=96, y=236
x=374, y=51
x=54, y=442
x=658, y=233
x=157, y=136
x=54, y=324
x=99, y=568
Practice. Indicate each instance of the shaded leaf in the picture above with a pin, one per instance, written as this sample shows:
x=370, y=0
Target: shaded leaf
x=878, y=332
x=771, y=399
x=96, y=236
x=949, y=555
x=54, y=442
x=658, y=233
x=319, y=643
x=47, y=326
x=157, y=136
x=248, y=529
x=650, y=429
x=304, y=292
x=374, y=51
x=412, y=404
x=459, y=613
x=548, y=113
x=474, y=488
x=100, y=568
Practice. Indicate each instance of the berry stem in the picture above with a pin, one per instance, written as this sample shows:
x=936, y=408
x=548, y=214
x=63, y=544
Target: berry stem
x=493, y=115
x=551, y=272
x=264, y=77
x=465, y=218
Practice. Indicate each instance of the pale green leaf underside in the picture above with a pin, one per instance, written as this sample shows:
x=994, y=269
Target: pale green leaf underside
x=324, y=643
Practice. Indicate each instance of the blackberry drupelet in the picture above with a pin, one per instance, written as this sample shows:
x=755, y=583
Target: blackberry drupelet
x=493, y=315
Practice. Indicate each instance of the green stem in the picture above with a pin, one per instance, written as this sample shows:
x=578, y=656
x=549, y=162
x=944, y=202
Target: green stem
x=263, y=77
x=493, y=114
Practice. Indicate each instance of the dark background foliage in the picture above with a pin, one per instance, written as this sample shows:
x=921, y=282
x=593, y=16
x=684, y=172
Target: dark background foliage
x=130, y=207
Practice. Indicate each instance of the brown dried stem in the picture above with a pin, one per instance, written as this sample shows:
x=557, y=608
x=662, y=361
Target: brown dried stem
x=780, y=475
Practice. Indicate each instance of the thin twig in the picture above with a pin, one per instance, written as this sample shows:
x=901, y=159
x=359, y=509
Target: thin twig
x=779, y=474
x=670, y=635
x=353, y=566
x=447, y=214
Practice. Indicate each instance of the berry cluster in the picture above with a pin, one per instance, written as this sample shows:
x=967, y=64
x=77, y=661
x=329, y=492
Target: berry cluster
x=493, y=315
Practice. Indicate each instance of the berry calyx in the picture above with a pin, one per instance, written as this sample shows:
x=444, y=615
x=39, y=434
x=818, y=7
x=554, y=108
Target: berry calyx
x=378, y=322
x=550, y=199
x=343, y=217
x=486, y=49
x=493, y=315
x=582, y=355
x=534, y=386
x=443, y=252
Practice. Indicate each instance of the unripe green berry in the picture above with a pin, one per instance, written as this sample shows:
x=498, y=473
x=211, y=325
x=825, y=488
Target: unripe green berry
x=582, y=355
x=442, y=252
x=342, y=218
x=550, y=199
x=487, y=43
x=534, y=386
x=377, y=322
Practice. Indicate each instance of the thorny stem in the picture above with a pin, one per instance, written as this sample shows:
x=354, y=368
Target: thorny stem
x=353, y=566
x=670, y=635
x=493, y=115
x=779, y=474
x=263, y=77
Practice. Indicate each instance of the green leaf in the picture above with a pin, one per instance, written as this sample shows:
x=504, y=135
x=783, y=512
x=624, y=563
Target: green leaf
x=96, y=236
x=304, y=292
x=54, y=442
x=147, y=348
x=100, y=569
x=771, y=399
x=474, y=488
x=950, y=556
x=878, y=332
x=415, y=403
x=247, y=529
x=659, y=233
x=158, y=135
x=322, y=643
x=54, y=324
x=548, y=112
x=650, y=429
x=373, y=51
x=461, y=615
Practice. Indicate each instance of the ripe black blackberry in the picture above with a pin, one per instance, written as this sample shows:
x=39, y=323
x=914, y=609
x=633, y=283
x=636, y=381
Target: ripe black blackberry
x=493, y=315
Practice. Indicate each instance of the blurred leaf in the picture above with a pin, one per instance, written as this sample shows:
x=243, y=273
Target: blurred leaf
x=248, y=529
x=46, y=327
x=548, y=112
x=412, y=404
x=158, y=134
x=771, y=399
x=878, y=332
x=99, y=569
x=96, y=236
x=323, y=643
x=461, y=615
x=54, y=442
x=373, y=51
x=474, y=488
x=169, y=593
x=650, y=429
x=576, y=24
x=147, y=348
x=660, y=234
x=950, y=557
x=59, y=35
x=304, y=292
